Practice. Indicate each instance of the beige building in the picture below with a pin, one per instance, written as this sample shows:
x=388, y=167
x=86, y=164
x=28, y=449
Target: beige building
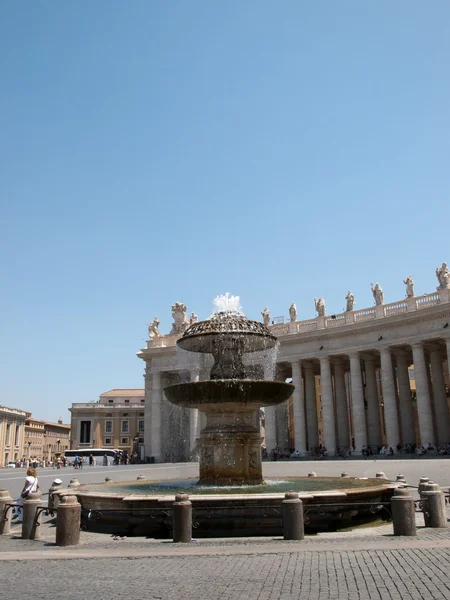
x=34, y=438
x=115, y=421
x=45, y=440
x=12, y=434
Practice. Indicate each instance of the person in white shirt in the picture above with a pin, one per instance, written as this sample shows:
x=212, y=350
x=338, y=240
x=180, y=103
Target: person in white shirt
x=31, y=485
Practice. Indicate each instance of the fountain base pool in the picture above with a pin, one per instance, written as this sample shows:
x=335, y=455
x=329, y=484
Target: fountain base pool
x=144, y=507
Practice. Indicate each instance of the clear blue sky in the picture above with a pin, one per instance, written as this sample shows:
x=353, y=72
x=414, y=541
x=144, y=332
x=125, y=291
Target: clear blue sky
x=161, y=151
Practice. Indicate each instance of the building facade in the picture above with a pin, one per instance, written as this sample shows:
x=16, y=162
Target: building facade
x=12, y=434
x=115, y=421
x=352, y=374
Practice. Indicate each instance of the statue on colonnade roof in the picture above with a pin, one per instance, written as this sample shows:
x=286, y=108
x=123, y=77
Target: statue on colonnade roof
x=443, y=276
x=293, y=312
x=409, y=282
x=350, y=301
x=378, y=294
x=180, y=320
x=153, y=331
x=266, y=316
x=320, y=306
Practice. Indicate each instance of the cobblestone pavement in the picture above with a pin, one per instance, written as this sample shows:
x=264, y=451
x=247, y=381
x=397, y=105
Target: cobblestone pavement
x=361, y=564
x=381, y=574
x=366, y=563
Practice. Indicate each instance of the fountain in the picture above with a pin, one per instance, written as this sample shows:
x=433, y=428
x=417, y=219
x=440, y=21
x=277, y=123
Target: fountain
x=230, y=497
x=230, y=444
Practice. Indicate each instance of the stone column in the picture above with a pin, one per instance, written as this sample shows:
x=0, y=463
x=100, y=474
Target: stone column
x=424, y=410
x=408, y=433
x=440, y=397
x=269, y=416
x=312, y=428
x=147, y=411
x=329, y=424
x=358, y=409
x=341, y=405
x=156, y=416
x=193, y=417
x=389, y=399
x=299, y=408
x=373, y=404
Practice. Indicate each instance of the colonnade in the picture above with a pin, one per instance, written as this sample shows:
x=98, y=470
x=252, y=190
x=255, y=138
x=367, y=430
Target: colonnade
x=366, y=394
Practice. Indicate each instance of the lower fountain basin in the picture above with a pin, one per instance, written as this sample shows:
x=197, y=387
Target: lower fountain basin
x=144, y=507
x=226, y=394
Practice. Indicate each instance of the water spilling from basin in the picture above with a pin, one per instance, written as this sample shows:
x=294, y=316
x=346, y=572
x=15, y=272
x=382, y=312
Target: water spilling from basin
x=230, y=443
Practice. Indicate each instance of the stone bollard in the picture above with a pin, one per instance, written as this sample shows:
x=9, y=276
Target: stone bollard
x=108, y=479
x=292, y=510
x=312, y=474
x=425, y=487
x=403, y=513
x=5, y=514
x=30, y=525
x=68, y=522
x=182, y=518
x=433, y=502
x=401, y=479
x=345, y=474
x=74, y=483
x=422, y=482
x=139, y=477
x=381, y=475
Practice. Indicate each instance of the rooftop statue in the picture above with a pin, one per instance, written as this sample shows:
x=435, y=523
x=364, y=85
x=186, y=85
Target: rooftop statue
x=443, y=276
x=293, y=313
x=266, y=316
x=350, y=301
x=180, y=320
x=378, y=294
x=320, y=306
x=409, y=282
x=193, y=319
x=153, y=331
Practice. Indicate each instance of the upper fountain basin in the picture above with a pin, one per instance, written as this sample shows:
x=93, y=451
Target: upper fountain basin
x=246, y=393
x=204, y=336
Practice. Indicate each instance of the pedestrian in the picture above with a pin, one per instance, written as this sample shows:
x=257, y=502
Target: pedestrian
x=31, y=485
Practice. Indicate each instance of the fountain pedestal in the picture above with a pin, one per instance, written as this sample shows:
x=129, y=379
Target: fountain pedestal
x=230, y=448
x=230, y=444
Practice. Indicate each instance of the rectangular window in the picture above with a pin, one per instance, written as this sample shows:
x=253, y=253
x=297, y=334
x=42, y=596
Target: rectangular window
x=125, y=426
x=124, y=441
x=108, y=441
x=143, y=400
x=8, y=434
x=108, y=426
x=16, y=439
x=85, y=432
x=111, y=401
x=141, y=425
x=127, y=402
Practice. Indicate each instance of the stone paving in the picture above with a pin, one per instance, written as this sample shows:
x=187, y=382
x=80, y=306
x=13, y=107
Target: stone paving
x=366, y=563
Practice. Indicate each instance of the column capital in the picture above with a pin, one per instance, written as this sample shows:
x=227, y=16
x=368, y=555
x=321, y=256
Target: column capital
x=353, y=355
x=385, y=350
x=296, y=363
x=399, y=352
x=324, y=359
x=417, y=346
x=308, y=365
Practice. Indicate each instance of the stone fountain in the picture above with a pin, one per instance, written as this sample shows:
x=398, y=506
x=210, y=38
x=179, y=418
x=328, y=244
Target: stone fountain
x=230, y=444
x=230, y=498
